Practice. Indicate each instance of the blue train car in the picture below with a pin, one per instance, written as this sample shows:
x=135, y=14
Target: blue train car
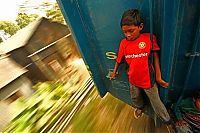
x=95, y=25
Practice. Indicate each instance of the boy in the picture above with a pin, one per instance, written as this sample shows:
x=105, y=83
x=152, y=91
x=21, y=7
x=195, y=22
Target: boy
x=136, y=49
x=188, y=114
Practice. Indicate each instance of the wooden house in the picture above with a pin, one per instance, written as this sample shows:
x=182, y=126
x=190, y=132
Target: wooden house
x=13, y=82
x=44, y=48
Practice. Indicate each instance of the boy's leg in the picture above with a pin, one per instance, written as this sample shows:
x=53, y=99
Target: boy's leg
x=137, y=101
x=136, y=97
x=159, y=108
x=157, y=104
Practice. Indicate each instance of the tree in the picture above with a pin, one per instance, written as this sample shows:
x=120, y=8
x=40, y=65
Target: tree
x=9, y=27
x=23, y=19
x=55, y=15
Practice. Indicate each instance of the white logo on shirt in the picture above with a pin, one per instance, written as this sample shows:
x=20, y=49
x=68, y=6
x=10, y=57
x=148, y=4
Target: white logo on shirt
x=136, y=55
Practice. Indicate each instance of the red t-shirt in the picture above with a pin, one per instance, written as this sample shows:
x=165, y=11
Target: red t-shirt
x=136, y=54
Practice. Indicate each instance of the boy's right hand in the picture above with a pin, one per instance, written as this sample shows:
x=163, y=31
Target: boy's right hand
x=162, y=83
x=113, y=75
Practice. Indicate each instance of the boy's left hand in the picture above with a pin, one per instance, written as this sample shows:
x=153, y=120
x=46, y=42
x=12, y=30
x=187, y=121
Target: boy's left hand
x=162, y=83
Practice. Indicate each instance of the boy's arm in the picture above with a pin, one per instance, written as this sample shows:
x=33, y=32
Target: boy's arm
x=118, y=60
x=180, y=122
x=114, y=74
x=178, y=113
x=159, y=79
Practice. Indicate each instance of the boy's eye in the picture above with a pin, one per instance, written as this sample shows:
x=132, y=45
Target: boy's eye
x=129, y=31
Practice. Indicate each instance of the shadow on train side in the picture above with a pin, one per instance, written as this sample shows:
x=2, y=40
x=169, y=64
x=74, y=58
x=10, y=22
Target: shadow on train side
x=95, y=25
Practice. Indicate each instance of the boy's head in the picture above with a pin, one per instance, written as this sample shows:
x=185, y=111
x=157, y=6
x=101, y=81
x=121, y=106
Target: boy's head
x=196, y=98
x=131, y=24
x=131, y=17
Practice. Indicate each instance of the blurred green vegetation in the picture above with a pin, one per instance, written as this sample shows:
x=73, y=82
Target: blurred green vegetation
x=34, y=113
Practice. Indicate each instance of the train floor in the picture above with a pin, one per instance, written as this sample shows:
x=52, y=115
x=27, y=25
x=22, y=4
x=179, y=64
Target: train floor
x=109, y=115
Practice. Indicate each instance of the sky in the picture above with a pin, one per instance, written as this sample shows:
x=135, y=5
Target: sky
x=9, y=8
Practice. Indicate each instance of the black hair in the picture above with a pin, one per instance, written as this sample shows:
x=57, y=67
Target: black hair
x=131, y=17
x=196, y=94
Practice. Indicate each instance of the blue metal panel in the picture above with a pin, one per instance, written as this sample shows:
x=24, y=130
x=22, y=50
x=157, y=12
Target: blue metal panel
x=179, y=33
x=96, y=29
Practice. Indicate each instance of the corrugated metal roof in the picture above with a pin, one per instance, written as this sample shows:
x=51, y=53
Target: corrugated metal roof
x=9, y=70
x=21, y=37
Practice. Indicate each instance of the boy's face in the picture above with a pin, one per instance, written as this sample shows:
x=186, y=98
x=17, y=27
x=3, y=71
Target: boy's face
x=132, y=32
x=197, y=103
